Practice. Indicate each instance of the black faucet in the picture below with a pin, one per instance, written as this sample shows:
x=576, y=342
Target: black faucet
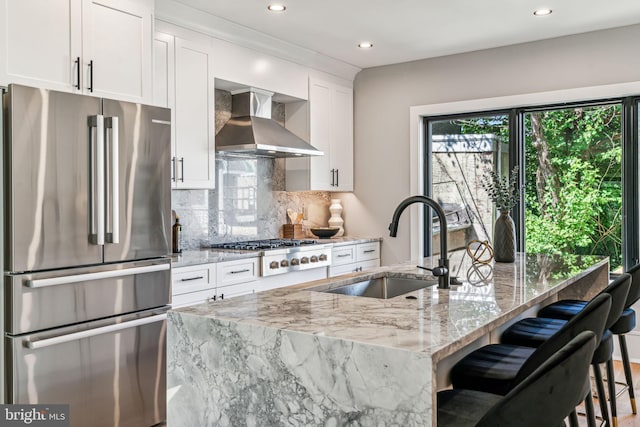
x=442, y=270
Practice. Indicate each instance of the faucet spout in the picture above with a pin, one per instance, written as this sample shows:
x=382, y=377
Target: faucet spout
x=443, y=271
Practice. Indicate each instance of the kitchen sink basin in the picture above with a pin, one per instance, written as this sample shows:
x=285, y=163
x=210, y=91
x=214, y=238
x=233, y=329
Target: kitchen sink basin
x=382, y=287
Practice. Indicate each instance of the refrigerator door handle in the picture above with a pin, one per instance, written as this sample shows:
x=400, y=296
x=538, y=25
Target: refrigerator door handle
x=74, y=336
x=114, y=235
x=63, y=280
x=96, y=187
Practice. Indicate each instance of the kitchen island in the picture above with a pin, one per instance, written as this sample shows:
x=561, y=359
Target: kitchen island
x=300, y=356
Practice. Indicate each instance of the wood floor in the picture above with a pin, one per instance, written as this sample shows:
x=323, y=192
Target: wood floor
x=625, y=416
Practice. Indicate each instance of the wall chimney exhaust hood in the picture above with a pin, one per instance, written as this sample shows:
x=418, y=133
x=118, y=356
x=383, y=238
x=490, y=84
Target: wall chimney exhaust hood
x=251, y=131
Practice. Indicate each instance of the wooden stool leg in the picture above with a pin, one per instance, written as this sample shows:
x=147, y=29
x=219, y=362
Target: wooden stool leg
x=611, y=382
x=602, y=396
x=627, y=371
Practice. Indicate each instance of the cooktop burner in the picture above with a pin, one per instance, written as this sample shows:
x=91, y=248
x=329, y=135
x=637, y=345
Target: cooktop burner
x=252, y=245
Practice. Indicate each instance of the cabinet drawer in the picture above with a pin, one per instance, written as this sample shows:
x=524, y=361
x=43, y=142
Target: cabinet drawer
x=192, y=298
x=238, y=271
x=368, y=251
x=232, y=291
x=342, y=269
x=191, y=279
x=343, y=255
x=367, y=265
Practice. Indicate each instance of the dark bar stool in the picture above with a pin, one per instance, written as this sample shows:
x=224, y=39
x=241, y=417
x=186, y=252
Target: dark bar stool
x=626, y=323
x=498, y=368
x=534, y=332
x=544, y=398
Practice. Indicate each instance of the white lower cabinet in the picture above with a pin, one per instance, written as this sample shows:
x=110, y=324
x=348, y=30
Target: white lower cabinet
x=237, y=277
x=353, y=258
x=196, y=284
x=192, y=284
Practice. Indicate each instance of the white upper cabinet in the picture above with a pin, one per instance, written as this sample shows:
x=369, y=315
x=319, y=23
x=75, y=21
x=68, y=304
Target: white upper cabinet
x=84, y=46
x=330, y=129
x=116, y=48
x=184, y=82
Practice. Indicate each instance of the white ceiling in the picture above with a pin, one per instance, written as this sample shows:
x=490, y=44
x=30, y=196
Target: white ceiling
x=406, y=30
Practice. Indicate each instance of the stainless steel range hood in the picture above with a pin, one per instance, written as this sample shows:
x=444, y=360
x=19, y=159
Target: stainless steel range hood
x=251, y=131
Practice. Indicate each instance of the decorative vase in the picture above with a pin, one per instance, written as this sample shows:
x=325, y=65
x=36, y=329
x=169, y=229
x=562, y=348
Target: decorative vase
x=336, y=218
x=504, y=238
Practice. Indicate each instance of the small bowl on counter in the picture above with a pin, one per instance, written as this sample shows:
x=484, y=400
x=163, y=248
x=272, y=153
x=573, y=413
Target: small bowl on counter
x=324, y=232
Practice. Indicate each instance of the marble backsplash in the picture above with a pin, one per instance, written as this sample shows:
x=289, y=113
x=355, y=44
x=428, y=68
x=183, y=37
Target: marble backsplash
x=249, y=201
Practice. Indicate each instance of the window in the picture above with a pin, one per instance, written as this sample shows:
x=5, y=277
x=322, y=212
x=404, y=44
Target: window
x=573, y=193
x=462, y=150
x=572, y=163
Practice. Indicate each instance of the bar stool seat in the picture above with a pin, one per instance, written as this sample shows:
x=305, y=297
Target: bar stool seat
x=493, y=368
x=626, y=323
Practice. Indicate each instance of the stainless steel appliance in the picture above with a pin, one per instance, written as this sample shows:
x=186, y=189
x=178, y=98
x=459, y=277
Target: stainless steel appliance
x=87, y=281
x=279, y=256
x=251, y=131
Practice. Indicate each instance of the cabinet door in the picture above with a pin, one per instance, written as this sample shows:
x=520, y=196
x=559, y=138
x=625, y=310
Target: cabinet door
x=194, y=115
x=320, y=134
x=163, y=70
x=342, y=138
x=116, y=47
x=40, y=42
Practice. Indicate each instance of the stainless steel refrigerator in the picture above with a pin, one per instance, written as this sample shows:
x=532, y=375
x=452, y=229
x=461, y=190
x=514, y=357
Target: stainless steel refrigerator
x=86, y=233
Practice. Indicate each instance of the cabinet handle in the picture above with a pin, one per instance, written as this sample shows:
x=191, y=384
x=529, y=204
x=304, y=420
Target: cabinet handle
x=174, y=171
x=333, y=177
x=368, y=251
x=182, y=169
x=77, y=62
x=91, y=76
x=191, y=278
x=337, y=177
x=342, y=256
x=240, y=271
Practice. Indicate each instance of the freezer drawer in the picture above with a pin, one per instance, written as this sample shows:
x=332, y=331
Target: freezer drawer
x=110, y=372
x=47, y=300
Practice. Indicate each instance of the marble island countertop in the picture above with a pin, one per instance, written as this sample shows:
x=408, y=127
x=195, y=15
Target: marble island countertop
x=349, y=356
x=455, y=316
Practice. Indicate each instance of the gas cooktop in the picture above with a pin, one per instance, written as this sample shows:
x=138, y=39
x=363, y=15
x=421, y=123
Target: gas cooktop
x=253, y=245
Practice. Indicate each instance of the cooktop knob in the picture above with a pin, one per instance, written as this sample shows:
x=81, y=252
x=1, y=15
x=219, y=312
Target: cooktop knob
x=295, y=261
x=273, y=265
x=284, y=263
x=304, y=260
x=314, y=258
x=323, y=257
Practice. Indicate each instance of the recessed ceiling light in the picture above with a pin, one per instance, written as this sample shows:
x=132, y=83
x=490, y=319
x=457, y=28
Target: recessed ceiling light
x=277, y=7
x=542, y=12
x=365, y=45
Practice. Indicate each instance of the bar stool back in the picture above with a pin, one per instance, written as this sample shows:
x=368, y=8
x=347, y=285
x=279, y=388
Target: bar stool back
x=544, y=398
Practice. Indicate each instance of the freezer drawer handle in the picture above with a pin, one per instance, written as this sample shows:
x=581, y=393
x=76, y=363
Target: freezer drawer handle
x=64, y=280
x=34, y=345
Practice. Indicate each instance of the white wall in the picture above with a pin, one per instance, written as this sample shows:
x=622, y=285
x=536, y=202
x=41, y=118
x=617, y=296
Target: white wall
x=384, y=95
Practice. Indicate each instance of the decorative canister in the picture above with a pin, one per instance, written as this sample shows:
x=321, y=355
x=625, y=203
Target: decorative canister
x=336, y=218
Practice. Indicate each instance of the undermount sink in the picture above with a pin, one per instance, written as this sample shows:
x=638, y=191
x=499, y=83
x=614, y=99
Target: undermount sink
x=382, y=287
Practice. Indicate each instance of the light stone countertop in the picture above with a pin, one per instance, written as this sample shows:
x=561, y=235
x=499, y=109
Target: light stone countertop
x=208, y=255
x=437, y=321
x=298, y=356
